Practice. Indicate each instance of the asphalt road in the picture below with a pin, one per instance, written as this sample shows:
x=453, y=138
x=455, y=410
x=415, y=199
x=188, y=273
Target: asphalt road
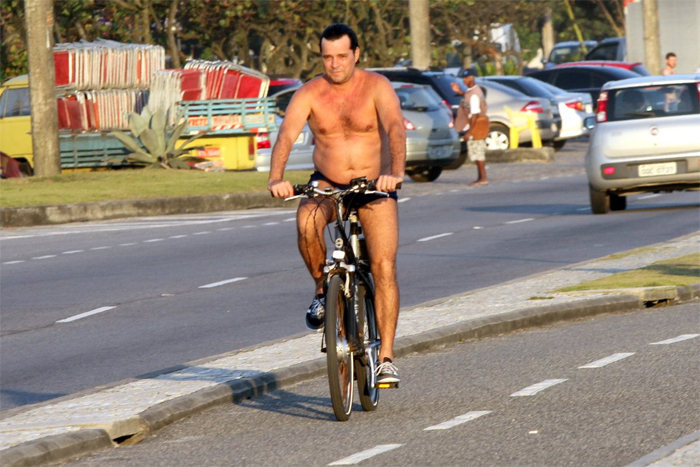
x=85, y=305
x=621, y=387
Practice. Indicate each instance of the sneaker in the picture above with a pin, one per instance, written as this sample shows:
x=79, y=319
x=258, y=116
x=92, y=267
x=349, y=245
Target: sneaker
x=315, y=314
x=387, y=372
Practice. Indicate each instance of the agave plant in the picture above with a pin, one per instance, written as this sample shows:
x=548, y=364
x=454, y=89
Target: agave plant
x=148, y=146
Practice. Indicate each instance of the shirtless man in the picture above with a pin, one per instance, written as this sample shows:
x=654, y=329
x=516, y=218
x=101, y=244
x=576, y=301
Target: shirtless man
x=356, y=119
x=670, y=68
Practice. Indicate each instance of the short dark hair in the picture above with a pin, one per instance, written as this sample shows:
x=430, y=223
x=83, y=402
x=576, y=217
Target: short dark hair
x=336, y=31
x=669, y=55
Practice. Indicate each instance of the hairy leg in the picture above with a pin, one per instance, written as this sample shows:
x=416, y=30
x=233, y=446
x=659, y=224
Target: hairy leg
x=380, y=222
x=312, y=217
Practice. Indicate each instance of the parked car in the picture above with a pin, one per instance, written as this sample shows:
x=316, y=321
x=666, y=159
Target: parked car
x=497, y=98
x=569, y=51
x=15, y=123
x=431, y=139
x=301, y=155
x=574, y=108
x=646, y=139
x=583, y=78
x=278, y=84
x=637, y=67
x=613, y=48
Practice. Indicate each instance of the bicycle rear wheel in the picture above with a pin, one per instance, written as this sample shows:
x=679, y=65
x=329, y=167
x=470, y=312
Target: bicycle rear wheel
x=339, y=358
x=365, y=365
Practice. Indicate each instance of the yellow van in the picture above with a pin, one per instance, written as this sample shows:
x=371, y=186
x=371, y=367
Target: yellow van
x=15, y=124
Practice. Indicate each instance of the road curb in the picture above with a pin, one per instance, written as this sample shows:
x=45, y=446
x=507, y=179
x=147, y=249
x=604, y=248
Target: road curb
x=520, y=155
x=68, y=446
x=26, y=216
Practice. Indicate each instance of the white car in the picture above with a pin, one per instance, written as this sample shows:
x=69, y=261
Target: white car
x=646, y=139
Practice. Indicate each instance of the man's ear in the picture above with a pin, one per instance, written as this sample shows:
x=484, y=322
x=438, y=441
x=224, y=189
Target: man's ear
x=357, y=55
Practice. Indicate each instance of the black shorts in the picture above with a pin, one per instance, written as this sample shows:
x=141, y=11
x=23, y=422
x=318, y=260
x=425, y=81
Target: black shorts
x=353, y=200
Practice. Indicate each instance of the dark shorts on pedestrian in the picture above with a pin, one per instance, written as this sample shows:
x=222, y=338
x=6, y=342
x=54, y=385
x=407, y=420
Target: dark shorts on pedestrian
x=353, y=200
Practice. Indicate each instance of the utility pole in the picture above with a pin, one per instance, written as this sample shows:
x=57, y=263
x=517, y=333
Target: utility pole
x=42, y=87
x=547, y=33
x=419, y=13
x=652, y=48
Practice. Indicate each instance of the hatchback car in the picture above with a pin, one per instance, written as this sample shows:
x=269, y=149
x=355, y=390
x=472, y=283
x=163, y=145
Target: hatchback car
x=646, y=139
x=569, y=51
x=637, y=67
x=574, y=108
x=583, y=78
x=301, y=155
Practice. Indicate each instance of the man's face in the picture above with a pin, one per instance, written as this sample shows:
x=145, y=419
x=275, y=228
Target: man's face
x=671, y=62
x=338, y=59
x=469, y=81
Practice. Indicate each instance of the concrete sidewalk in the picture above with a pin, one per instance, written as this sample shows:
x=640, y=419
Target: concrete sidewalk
x=128, y=411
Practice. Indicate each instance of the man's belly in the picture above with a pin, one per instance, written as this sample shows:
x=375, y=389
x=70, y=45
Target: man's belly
x=350, y=158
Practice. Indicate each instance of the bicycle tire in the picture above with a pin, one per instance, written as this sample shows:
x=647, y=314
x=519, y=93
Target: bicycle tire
x=369, y=396
x=339, y=358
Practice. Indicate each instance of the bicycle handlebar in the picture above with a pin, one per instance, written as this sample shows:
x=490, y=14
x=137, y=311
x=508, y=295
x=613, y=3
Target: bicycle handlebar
x=357, y=185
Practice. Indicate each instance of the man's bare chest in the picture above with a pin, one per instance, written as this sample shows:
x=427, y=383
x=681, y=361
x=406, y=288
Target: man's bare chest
x=347, y=116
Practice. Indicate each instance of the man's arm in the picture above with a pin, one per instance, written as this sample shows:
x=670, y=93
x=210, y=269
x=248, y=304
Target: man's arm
x=295, y=118
x=391, y=117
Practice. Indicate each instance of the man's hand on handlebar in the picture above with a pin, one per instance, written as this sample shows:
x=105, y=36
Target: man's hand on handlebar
x=280, y=189
x=388, y=183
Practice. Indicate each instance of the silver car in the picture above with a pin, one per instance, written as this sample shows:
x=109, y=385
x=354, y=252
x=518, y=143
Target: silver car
x=498, y=97
x=431, y=140
x=301, y=155
x=646, y=139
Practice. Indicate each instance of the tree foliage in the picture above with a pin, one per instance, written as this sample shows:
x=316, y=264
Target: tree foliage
x=280, y=37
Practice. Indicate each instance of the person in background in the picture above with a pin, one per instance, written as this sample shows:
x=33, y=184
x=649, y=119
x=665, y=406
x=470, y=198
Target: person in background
x=670, y=68
x=472, y=106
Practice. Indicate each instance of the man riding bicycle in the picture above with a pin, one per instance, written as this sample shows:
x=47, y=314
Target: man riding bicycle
x=358, y=126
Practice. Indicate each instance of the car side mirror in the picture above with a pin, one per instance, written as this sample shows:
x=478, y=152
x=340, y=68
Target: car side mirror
x=589, y=122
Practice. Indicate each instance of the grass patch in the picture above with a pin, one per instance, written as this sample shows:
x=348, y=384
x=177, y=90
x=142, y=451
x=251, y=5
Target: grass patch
x=86, y=187
x=537, y=297
x=629, y=253
x=681, y=271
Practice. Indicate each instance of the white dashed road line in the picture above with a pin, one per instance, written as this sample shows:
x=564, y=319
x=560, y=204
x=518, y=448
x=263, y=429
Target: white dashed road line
x=201, y=233
x=13, y=262
x=72, y=252
x=427, y=239
x=153, y=240
x=101, y=248
x=227, y=281
x=44, y=257
x=608, y=360
x=535, y=388
x=178, y=236
x=86, y=314
x=682, y=337
x=403, y=200
x=272, y=223
x=520, y=220
x=467, y=417
x=291, y=219
x=360, y=456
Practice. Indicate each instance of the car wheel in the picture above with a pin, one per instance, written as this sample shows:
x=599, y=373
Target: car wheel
x=618, y=203
x=425, y=174
x=557, y=145
x=498, y=137
x=600, y=201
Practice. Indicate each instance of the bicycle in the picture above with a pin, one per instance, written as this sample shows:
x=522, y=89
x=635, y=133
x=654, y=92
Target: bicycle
x=350, y=321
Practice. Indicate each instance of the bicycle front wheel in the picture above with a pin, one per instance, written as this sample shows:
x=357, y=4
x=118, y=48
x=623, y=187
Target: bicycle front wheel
x=339, y=358
x=365, y=364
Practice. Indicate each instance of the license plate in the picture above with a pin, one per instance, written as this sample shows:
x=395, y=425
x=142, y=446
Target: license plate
x=589, y=108
x=553, y=127
x=652, y=170
x=437, y=152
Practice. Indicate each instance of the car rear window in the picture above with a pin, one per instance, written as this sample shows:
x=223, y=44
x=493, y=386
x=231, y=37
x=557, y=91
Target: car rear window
x=416, y=99
x=565, y=54
x=653, y=101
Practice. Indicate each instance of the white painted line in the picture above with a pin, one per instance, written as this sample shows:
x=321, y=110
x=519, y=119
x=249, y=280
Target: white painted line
x=608, y=360
x=14, y=262
x=403, y=200
x=248, y=226
x=224, y=229
x=649, y=196
x=535, y=388
x=360, y=456
x=272, y=223
x=291, y=219
x=201, y=233
x=469, y=416
x=427, y=239
x=153, y=240
x=87, y=313
x=72, y=252
x=101, y=248
x=227, y=281
x=520, y=220
x=682, y=337
x=583, y=209
x=44, y=257
x=178, y=236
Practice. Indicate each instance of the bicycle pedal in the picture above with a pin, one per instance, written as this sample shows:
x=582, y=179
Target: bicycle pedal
x=388, y=385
